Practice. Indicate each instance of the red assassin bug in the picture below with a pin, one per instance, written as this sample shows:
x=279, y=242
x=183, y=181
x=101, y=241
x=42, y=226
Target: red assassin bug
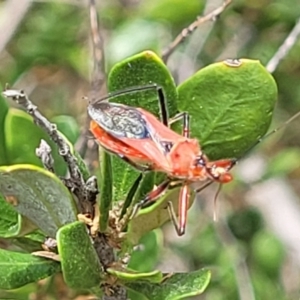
x=143, y=141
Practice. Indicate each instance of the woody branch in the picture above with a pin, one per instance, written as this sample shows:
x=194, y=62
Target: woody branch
x=76, y=183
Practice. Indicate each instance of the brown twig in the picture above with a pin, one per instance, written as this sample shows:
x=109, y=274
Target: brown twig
x=191, y=28
x=44, y=153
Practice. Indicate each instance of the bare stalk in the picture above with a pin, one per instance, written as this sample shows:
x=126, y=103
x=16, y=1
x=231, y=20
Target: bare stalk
x=192, y=27
x=284, y=49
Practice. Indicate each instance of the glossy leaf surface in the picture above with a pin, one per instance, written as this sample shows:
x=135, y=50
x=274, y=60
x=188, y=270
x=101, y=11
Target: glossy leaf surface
x=231, y=106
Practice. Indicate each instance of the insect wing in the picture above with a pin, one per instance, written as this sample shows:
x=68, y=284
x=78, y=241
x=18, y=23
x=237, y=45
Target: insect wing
x=119, y=120
x=124, y=130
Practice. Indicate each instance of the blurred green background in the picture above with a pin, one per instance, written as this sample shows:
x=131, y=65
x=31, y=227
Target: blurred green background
x=253, y=249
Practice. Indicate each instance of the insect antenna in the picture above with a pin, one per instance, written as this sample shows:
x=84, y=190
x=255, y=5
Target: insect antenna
x=130, y=90
x=215, y=215
x=295, y=116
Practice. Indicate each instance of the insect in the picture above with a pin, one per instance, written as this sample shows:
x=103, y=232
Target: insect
x=147, y=143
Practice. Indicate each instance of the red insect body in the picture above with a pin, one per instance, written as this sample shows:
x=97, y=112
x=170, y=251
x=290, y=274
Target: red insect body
x=139, y=137
x=178, y=162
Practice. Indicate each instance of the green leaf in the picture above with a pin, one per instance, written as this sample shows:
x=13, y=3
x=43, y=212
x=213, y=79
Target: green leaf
x=68, y=126
x=143, y=69
x=152, y=217
x=177, y=286
x=230, y=106
x=38, y=195
x=124, y=177
x=106, y=187
x=128, y=275
x=79, y=260
x=11, y=223
x=139, y=70
x=18, y=269
x=23, y=137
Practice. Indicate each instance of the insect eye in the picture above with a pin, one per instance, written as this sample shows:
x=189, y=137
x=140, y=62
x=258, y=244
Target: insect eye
x=200, y=161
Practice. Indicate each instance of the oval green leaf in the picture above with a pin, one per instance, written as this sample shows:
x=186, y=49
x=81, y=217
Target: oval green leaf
x=38, y=195
x=174, y=287
x=18, y=269
x=231, y=106
x=79, y=261
x=139, y=70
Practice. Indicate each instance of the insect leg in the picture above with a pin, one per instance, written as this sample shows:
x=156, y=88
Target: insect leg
x=164, y=114
x=152, y=196
x=200, y=189
x=185, y=117
x=180, y=224
x=295, y=116
x=130, y=195
x=215, y=198
x=162, y=106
